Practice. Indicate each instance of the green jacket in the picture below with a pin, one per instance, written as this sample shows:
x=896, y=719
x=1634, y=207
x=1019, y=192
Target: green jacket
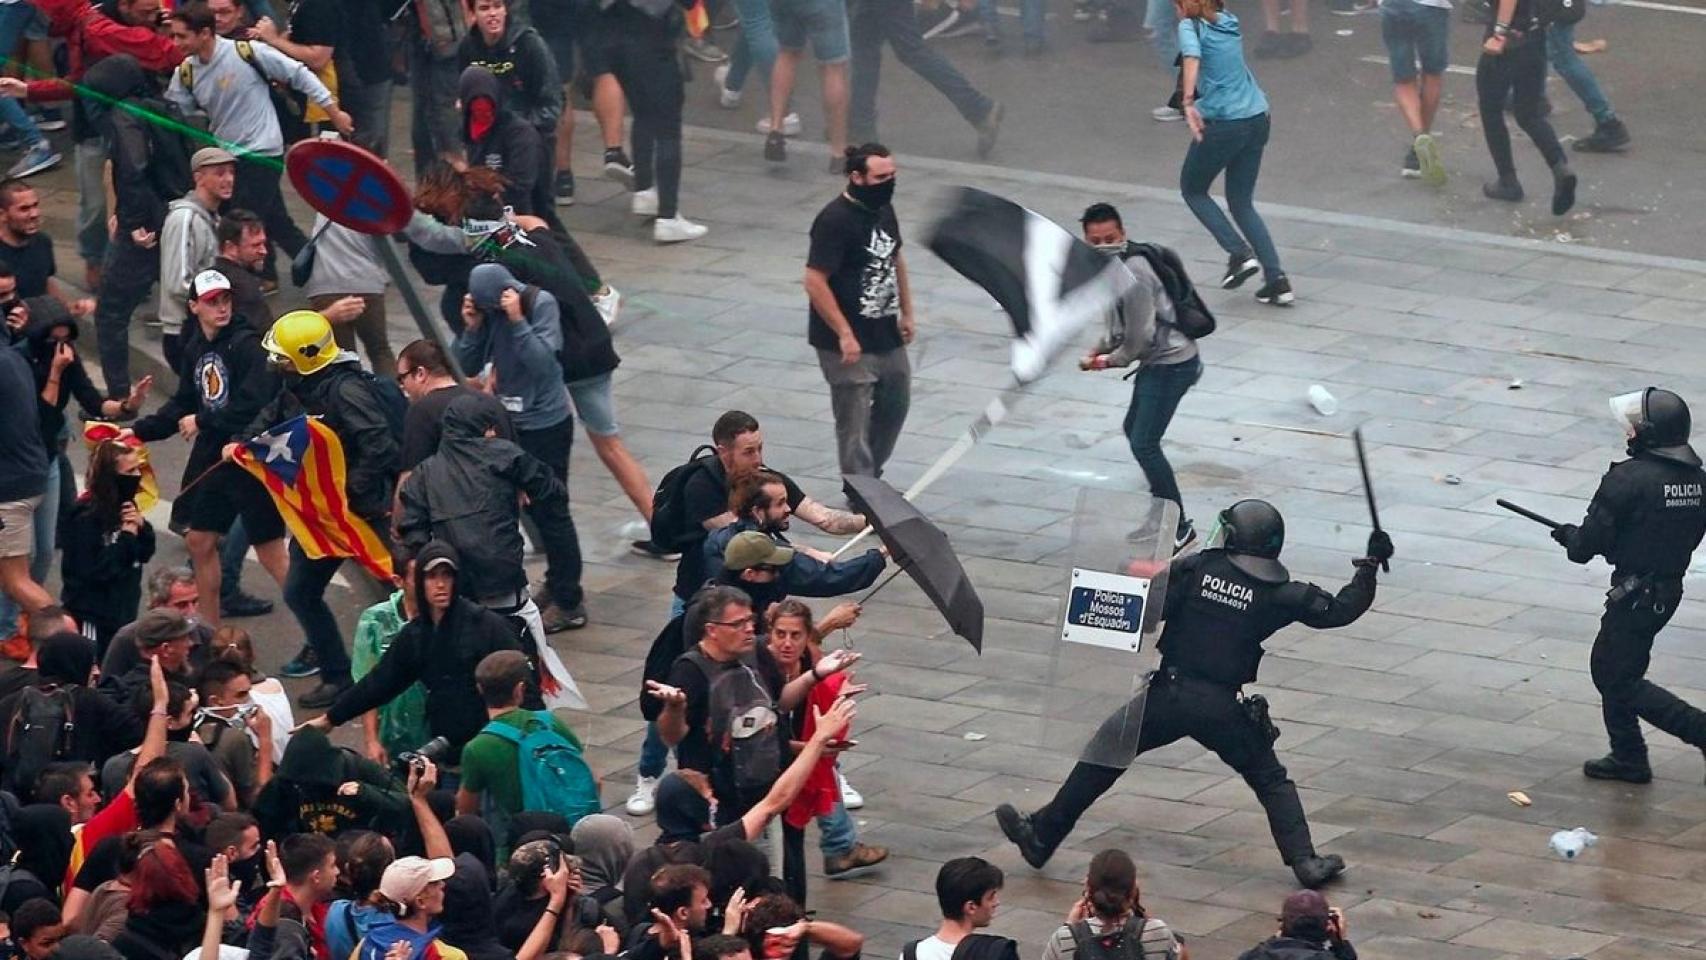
x=402, y=722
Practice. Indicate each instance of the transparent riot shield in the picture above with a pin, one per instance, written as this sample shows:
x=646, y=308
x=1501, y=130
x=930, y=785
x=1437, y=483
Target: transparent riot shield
x=1113, y=591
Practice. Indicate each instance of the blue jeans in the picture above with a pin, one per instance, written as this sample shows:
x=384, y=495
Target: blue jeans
x=1234, y=146
x=1030, y=18
x=1561, y=50
x=654, y=753
x=836, y=832
x=305, y=595
x=872, y=23
x=1155, y=395
x=46, y=525
x=1417, y=38
x=757, y=44
x=89, y=159
x=1161, y=18
x=13, y=18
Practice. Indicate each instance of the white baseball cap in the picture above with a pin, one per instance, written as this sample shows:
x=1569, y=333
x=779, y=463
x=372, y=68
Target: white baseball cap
x=207, y=283
x=406, y=877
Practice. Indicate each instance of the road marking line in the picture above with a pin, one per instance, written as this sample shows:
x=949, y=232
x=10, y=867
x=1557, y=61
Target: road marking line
x=1452, y=68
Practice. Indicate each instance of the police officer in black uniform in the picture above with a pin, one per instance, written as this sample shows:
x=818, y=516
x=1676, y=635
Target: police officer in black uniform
x=1646, y=519
x=1221, y=605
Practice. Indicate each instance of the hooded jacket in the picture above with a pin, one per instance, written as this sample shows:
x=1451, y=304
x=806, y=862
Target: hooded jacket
x=521, y=62
x=346, y=399
x=523, y=353
x=188, y=244
x=144, y=185
x=465, y=496
x=102, y=568
x=511, y=146
x=224, y=382
x=89, y=36
x=46, y=313
x=440, y=656
x=303, y=796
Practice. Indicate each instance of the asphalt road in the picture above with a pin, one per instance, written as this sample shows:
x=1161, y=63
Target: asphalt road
x=1337, y=142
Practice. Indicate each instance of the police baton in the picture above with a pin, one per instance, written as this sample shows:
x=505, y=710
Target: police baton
x=1368, y=491
x=1530, y=514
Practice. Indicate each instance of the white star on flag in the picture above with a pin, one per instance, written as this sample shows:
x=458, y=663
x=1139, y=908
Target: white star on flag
x=278, y=447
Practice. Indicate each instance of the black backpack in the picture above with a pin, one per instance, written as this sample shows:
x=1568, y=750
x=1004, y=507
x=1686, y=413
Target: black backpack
x=168, y=151
x=37, y=734
x=1125, y=943
x=741, y=724
x=1190, y=315
x=977, y=946
x=667, y=647
x=391, y=400
x=671, y=529
x=1561, y=12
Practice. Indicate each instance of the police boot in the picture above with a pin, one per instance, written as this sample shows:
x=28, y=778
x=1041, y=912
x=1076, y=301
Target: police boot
x=1609, y=767
x=1312, y=872
x=1019, y=829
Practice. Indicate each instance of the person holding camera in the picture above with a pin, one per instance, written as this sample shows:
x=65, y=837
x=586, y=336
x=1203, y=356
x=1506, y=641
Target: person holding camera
x=1222, y=604
x=1309, y=927
x=440, y=648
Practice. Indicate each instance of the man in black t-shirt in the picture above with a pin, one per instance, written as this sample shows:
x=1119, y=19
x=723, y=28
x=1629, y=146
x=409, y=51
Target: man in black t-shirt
x=29, y=251
x=424, y=374
x=861, y=312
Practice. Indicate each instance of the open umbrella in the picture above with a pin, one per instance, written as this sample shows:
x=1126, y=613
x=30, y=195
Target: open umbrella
x=920, y=548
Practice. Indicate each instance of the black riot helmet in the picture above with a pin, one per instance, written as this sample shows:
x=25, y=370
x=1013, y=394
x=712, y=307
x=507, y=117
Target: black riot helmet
x=1658, y=423
x=1252, y=533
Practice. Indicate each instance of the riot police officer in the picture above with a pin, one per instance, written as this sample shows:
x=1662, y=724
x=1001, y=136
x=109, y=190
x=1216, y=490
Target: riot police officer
x=1221, y=605
x=1646, y=519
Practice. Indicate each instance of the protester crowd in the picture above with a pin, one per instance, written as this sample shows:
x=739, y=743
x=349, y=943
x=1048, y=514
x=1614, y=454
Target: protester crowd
x=160, y=795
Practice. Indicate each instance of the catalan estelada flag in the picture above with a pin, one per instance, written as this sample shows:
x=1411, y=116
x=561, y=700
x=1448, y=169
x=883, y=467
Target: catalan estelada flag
x=301, y=463
x=698, y=19
x=97, y=432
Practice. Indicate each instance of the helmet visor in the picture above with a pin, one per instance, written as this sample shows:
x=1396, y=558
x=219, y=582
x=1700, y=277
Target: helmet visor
x=1628, y=410
x=1217, y=536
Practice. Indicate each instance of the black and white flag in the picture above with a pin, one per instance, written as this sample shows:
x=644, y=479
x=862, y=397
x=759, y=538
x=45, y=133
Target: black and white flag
x=1050, y=283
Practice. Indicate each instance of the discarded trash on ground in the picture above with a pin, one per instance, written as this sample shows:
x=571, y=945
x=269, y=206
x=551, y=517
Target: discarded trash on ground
x=1519, y=798
x=1570, y=843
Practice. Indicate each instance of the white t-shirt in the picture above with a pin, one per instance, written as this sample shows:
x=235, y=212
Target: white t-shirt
x=934, y=948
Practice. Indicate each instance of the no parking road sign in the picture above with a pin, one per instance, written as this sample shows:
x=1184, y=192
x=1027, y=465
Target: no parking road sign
x=350, y=185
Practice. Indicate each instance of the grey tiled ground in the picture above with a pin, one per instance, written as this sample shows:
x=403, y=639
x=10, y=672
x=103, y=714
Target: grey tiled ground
x=1404, y=730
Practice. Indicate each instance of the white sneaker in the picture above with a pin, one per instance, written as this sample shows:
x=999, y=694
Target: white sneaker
x=726, y=98
x=609, y=304
x=645, y=203
x=790, y=125
x=1166, y=114
x=850, y=798
x=677, y=229
x=644, y=798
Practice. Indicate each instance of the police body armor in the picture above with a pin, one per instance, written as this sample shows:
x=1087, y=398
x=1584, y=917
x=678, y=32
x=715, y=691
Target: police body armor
x=1660, y=508
x=1217, y=633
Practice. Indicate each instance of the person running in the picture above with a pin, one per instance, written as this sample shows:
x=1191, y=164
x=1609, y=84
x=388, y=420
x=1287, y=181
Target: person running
x=1609, y=134
x=1228, y=116
x=1513, y=68
x=1417, y=34
x=872, y=23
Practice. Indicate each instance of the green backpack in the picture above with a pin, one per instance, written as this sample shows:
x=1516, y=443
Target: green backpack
x=554, y=775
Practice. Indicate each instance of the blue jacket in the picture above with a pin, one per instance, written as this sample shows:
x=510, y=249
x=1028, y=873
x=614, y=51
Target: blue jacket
x=802, y=577
x=1226, y=89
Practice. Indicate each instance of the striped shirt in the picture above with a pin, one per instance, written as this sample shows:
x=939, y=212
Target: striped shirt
x=1158, y=941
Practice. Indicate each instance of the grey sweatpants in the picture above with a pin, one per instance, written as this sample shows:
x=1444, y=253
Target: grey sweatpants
x=870, y=400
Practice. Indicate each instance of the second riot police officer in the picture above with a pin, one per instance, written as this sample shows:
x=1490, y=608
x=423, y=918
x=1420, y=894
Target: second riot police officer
x=1646, y=519
x=1221, y=605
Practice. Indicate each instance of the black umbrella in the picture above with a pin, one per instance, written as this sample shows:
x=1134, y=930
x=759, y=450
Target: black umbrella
x=920, y=548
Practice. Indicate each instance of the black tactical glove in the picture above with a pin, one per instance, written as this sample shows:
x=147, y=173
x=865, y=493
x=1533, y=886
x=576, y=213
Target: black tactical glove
x=1564, y=533
x=1380, y=546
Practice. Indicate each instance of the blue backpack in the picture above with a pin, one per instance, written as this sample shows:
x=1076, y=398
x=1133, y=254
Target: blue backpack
x=554, y=775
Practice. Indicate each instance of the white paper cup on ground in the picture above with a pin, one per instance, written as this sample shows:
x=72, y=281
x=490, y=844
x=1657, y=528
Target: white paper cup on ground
x=1324, y=403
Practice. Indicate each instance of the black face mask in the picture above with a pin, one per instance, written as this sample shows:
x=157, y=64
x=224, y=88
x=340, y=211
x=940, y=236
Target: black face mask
x=251, y=871
x=872, y=196
x=127, y=484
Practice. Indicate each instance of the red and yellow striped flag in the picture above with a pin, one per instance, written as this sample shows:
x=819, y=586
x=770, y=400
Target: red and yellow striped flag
x=698, y=19
x=301, y=463
x=97, y=432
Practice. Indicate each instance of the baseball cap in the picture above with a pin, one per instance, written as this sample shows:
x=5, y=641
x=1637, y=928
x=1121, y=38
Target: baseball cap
x=207, y=283
x=751, y=548
x=161, y=625
x=406, y=877
x=440, y=561
x=210, y=157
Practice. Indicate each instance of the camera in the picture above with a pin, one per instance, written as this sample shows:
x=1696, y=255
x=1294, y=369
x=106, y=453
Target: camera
x=435, y=750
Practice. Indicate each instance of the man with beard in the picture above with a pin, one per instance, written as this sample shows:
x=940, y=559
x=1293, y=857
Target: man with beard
x=242, y=238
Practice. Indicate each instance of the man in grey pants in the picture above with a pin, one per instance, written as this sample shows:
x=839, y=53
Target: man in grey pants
x=861, y=312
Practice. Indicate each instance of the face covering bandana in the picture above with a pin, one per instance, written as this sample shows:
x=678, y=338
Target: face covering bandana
x=481, y=116
x=872, y=196
x=504, y=233
x=1110, y=249
x=128, y=484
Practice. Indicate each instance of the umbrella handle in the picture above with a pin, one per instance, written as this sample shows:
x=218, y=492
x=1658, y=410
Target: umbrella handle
x=899, y=569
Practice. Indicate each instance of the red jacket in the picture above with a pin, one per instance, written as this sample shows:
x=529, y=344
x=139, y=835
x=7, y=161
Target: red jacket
x=90, y=35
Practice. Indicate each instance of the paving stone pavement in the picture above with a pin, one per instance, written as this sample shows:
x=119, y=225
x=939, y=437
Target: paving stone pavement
x=1479, y=368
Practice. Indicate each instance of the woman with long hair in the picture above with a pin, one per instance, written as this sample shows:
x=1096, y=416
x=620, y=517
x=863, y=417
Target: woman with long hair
x=106, y=543
x=1112, y=907
x=165, y=919
x=1228, y=116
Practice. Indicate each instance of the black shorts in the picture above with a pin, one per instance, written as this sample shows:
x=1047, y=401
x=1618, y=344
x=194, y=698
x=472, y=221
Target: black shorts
x=219, y=498
x=568, y=28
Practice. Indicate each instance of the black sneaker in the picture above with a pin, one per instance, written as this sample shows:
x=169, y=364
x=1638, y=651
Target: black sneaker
x=1276, y=293
x=239, y=605
x=1608, y=137
x=306, y=663
x=989, y=129
x=323, y=695
x=1239, y=268
x=1018, y=828
x=1412, y=165
x=1186, y=536
x=618, y=167
x=1504, y=188
x=1563, y=189
x=565, y=188
x=648, y=549
x=1609, y=767
x=1312, y=872
x=776, y=147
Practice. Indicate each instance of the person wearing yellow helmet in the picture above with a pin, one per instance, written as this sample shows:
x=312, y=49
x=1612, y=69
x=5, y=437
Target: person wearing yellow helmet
x=365, y=412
